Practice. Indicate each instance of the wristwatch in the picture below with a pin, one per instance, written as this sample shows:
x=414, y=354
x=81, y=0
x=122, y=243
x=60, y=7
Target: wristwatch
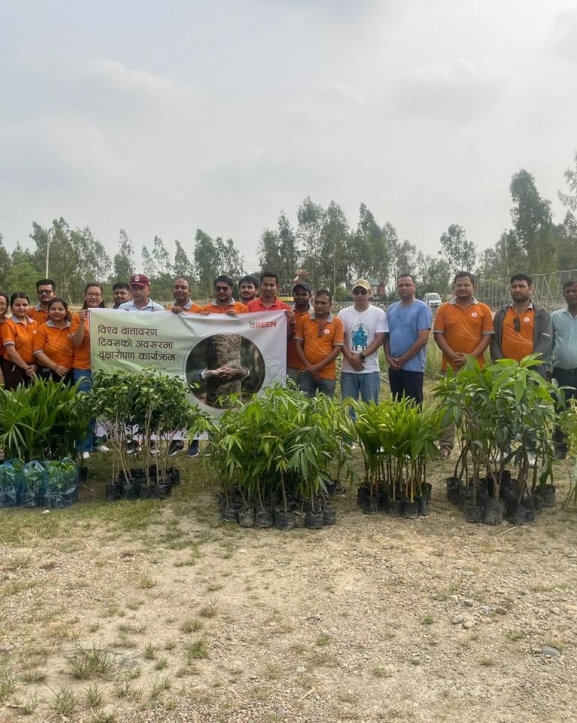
x=362, y=356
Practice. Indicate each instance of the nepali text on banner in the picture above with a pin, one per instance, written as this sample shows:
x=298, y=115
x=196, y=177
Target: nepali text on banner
x=218, y=354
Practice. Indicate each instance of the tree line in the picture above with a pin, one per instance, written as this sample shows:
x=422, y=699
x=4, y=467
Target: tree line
x=322, y=241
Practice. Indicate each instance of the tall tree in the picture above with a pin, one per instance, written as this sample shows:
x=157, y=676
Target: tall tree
x=269, y=256
x=230, y=261
x=278, y=250
x=123, y=260
x=76, y=257
x=457, y=250
x=161, y=257
x=310, y=218
x=335, y=235
x=288, y=249
x=148, y=263
x=532, y=225
x=206, y=267
x=5, y=264
x=403, y=256
x=182, y=264
x=369, y=248
x=434, y=274
x=570, y=199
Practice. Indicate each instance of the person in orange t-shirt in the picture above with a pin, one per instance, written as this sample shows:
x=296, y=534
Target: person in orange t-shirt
x=463, y=326
x=45, y=290
x=182, y=300
x=183, y=303
x=268, y=300
x=53, y=348
x=319, y=338
x=302, y=298
x=80, y=337
x=223, y=302
x=4, y=303
x=18, y=339
x=522, y=326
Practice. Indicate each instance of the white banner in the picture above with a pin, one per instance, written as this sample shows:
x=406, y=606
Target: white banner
x=220, y=354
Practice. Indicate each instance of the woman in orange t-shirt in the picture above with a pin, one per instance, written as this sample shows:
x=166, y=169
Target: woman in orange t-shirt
x=53, y=348
x=4, y=302
x=80, y=337
x=18, y=339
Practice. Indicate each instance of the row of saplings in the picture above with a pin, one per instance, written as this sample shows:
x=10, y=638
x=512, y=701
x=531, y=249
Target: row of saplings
x=273, y=454
x=279, y=455
x=39, y=427
x=505, y=416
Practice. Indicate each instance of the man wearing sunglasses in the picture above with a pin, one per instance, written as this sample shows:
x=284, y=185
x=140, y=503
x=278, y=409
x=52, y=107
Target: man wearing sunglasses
x=365, y=328
x=522, y=326
x=223, y=302
x=45, y=290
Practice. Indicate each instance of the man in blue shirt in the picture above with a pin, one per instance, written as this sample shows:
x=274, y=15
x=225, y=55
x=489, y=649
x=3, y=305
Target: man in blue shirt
x=410, y=321
x=564, y=322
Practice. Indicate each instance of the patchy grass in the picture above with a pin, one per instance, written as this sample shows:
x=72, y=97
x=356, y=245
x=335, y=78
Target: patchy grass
x=89, y=663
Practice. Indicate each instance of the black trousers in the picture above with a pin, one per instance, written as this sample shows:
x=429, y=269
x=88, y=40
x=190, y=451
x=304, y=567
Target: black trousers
x=564, y=378
x=408, y=383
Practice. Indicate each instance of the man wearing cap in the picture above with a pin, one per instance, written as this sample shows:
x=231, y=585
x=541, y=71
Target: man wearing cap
x=302, y=298
x=140, y=290
x=365, y=328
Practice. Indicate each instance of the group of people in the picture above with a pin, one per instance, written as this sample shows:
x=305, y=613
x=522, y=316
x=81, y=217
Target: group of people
x=465, y=326
x=46, y=340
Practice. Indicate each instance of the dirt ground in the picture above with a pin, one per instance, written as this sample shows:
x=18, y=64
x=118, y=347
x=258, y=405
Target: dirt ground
x=149, y=611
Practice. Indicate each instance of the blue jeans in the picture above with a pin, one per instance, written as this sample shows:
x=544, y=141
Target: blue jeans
x=309, y=385
x=85, y=375
x=366, y=385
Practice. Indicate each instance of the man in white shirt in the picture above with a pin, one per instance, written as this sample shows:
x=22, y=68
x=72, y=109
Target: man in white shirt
x=365, y=328
x=140, y=290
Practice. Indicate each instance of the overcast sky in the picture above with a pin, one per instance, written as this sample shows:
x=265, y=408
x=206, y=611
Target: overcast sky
x=164, y=117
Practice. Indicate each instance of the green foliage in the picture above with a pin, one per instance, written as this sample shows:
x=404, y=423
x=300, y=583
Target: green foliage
x=279, y=440
x=76, y=257
x=504, y=413
x=146, y=403
x=123, y=260
x=459, y=252
x=42, y=421
x=397, y=439
x=278, y=251
x=570, y=199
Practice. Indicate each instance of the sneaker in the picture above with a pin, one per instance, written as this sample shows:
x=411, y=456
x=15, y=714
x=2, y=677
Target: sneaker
x=560, y=454
x=193, y=449
x=176, y=446
x=85, y=455
x=101, y=448
x=132, y=447
x=531, y=459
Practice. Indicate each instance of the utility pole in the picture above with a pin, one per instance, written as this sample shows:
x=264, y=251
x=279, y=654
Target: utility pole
x=49, y=237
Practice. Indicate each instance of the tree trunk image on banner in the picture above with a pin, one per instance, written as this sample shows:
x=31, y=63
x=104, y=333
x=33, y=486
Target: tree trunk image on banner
x=218, y=354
